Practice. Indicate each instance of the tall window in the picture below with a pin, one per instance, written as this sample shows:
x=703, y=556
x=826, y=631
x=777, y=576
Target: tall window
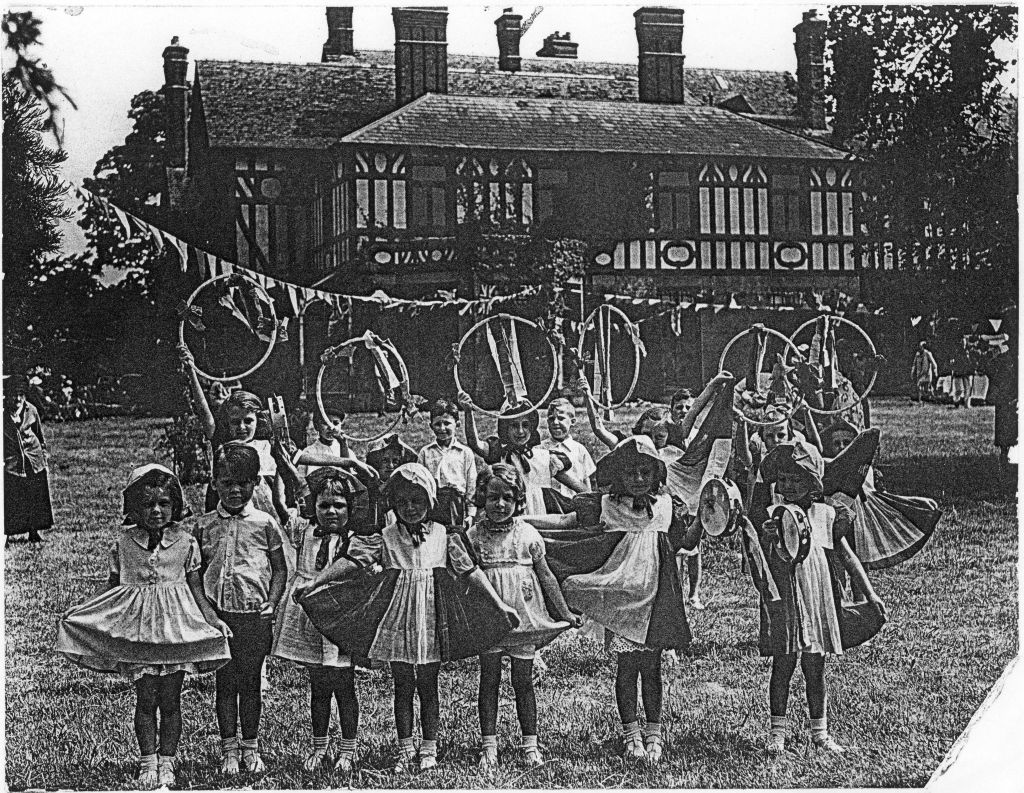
x=551, y=186
x=789, y=199
x=733, y=200
x=380, y=191
x=497, y=192
x=428, y=198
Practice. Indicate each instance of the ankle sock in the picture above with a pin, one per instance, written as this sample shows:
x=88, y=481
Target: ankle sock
x=320, y=742
x=428, y=748
x=229, y=744
x=819, y=729
x=780, y=725
x=348, y=747
x=652, y=728
x=252, y=744
x=489, y=742
x=165, y=759
x=529, y=743
x=631, y=730
x=147, y=762
x=407, y=747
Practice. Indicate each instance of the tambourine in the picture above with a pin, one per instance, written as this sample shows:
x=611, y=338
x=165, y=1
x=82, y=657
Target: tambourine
x=457, y=354
x=382, y=350
x=720, y=507
x=638, y=350
x=871, y=347
x=794, y=532
x=188, y=310
x=784, y=415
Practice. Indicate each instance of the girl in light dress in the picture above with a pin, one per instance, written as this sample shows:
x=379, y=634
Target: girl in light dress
x=321, y=531
x=518, y=444
x=615, y=559
x=806, y=620
x=408, y=609
x=511, y=553
x=154, y=622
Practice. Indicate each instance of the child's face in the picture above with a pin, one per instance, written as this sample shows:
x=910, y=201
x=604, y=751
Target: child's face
x=681, y=408
x=234, y=492
x=444, y=429
x=639, y=477
x=500, y=501
x=792, y=486
x=840, y=440
x=519, y=431
x=331, y=509
x=13, y=400
x=410, y=503
x=241, y=424
x=155, y=508
x=559, y=423
x=389, y=461
x=774, y=435
x=657, y=432
x=330, y=429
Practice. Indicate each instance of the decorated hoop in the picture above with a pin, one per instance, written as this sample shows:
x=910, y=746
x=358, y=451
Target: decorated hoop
x=638, y=352
x=794, y=533
x=554, y=366
x=372, y=342
x=789, y=346
x=235, y=277
x=874, y=354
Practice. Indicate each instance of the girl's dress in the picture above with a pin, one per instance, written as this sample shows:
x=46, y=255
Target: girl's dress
x=887, y=528
x=149, y=624
x=297, y=639
x=27, y=505
x=416, y=611
x=622, y=574
x=507, y=556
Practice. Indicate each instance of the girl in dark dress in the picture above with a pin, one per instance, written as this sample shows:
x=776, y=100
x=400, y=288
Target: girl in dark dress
x=26, y=483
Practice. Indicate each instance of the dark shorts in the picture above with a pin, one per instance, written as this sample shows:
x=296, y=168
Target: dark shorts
x=251, y=637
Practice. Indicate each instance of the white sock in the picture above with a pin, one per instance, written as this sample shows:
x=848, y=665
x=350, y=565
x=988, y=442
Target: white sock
x=819, y=729
x=630, y=729
x=348, y=747
x=407, y=746
x=652, y=728
x=428, y=748
x=529, y=743
x=147, y=763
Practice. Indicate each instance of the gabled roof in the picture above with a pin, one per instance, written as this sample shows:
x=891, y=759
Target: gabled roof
x=474, y=122
x=310, y=106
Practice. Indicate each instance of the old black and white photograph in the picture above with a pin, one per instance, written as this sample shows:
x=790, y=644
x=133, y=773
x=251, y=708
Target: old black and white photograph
x=498, y=397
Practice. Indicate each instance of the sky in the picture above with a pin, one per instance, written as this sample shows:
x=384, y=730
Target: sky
x=105, y=54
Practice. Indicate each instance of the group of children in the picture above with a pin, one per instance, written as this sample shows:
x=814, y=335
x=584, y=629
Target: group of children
x=412, y=559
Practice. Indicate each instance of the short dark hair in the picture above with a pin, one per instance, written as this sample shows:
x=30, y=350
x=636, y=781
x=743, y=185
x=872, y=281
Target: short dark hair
x=659, y=414
x=680, y=395
x=444, y=407
x=237, y=459
x=509, y=475
x=134, y=493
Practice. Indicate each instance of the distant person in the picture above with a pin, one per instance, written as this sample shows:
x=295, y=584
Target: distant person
x=962, y=380
x=923, y=372
x=1002, y=392
x=27, y=508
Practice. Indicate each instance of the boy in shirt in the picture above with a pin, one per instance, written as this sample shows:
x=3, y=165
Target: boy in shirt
x=451, y=463
x=561, y=417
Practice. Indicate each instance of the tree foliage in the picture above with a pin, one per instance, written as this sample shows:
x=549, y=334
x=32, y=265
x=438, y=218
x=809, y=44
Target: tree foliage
x=32, y=209
x=918, y=99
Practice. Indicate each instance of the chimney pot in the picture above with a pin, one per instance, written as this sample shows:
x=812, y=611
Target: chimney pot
x=510, y=31
x=558, y=45
x=339, y=34
x=659, y=35
x=421, y=51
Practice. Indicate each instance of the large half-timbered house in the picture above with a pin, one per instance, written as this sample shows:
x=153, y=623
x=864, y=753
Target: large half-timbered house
x=361, y=172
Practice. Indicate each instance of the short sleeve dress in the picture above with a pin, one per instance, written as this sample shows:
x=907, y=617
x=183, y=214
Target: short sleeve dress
x=538, y=467
x=298, y=640
x=418, y=610
x=149, y=623
x=507, y=556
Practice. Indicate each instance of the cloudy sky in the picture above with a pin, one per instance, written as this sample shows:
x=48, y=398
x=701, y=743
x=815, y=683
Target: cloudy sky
x=106, y=54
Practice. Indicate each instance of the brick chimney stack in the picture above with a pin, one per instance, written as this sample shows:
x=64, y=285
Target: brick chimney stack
x=510, y=31
x=558, y=45
x=176, y=118
x=810, y=69
x=339, y=34
x=659, y=34
x=421, y=52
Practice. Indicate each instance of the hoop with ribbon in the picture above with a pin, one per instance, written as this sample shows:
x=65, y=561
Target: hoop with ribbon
x=600, y=321
x=823, y=356
x=259, y=315
x=504, y=349
x=394, y=384
x=782, y=394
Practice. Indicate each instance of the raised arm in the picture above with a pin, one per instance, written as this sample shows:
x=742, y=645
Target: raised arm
x=472, y=440
x=717, y=383
x=199, y=403
x=596, y=424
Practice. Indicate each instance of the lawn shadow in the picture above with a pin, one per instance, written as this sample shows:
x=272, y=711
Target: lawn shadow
x=946, y=477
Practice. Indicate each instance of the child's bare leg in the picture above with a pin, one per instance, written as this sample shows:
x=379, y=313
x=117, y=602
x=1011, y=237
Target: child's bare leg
x=526, y=697
x=783, y=667
x=404, y=676
x=227, y=699
x=813, y=666
x=320, y=692
x=487, y=700
x=651, y=693
x=695, y=571
x=146, y=698
x=430, y=712
x=169, y=702
x=343, y=684
x=626, y=673
x=250, y=697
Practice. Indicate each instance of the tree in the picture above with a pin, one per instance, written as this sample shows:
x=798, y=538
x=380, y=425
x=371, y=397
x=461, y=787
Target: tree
x=918, y=99
x=33, y=208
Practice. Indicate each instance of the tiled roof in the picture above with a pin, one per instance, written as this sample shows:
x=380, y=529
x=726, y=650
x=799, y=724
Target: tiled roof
x=282, y=105
x=472, y=122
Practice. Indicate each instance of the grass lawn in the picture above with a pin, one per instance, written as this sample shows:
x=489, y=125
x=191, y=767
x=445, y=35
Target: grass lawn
x=899, y=701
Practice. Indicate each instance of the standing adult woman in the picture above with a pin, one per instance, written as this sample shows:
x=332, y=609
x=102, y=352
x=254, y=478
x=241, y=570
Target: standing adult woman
x=26, y=484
